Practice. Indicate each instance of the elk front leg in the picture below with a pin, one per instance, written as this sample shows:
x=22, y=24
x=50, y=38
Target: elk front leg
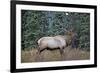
x=62, y=53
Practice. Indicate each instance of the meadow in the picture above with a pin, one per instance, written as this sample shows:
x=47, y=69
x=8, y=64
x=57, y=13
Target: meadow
x=28, y=56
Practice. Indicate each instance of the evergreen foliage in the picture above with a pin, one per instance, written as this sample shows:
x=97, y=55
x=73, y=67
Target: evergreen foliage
x=37, y=24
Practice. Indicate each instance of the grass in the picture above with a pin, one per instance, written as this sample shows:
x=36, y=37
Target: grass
x=47, y=55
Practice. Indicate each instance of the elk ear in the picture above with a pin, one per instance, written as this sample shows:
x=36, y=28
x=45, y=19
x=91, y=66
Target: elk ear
x=68, y=32
x=65, y=31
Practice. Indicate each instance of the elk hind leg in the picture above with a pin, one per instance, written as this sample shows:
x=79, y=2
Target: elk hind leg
x=38, y=54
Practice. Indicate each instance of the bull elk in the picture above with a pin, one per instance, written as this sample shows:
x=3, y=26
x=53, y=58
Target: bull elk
x=56, y=42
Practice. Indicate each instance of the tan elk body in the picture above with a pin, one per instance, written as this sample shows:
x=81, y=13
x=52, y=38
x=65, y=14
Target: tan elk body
x=51, y=42
x=59, y=42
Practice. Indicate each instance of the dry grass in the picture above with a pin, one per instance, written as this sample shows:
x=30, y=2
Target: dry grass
x=47, y=55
